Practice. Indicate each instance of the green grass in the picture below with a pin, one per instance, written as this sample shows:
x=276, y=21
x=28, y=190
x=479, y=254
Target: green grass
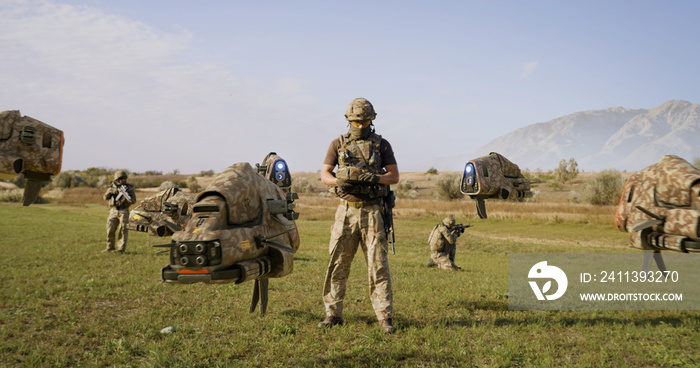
x=63, y=303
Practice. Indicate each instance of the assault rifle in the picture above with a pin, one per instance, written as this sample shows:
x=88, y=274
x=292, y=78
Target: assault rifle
x=388, y=202
x=459, y=228
x=122, y=193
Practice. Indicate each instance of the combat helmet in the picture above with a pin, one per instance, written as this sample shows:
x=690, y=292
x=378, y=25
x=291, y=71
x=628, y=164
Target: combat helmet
x=360, y=109
x=449, y=221
x=120, y=174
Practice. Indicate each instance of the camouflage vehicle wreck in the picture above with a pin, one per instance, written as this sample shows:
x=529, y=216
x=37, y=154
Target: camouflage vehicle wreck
x=162, y=214
x=493, y=176
x=660, y=207
x=29, y=147
x=242, y=228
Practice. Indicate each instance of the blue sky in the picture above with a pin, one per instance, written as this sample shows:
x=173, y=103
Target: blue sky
x=164, y=85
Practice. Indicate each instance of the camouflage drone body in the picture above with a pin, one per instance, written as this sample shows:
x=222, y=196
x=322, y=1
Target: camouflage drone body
x=275, y=169
x=242, y=228
x=493, y=176
x=162, y=214
x=660, y=207
x=30, y=147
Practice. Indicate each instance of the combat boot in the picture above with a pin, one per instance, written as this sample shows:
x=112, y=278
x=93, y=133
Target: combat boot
x=386, y=326
x=330, y=322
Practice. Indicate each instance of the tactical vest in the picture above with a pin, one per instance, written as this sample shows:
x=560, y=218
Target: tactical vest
x=356, y=157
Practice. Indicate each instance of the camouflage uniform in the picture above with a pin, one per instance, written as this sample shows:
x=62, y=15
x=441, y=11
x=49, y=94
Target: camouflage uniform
x=443, y=246
x=365, y=227
x=118, y=212
x=359, y=221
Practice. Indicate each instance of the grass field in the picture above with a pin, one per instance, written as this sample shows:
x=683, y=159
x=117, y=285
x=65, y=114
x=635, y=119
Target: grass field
x=63, y=303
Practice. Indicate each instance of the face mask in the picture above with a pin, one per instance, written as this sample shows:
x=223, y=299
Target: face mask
x=360, y=133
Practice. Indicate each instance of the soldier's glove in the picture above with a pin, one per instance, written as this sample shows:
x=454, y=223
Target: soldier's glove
x=344, y=184
x=368, y=178
x=113, y=191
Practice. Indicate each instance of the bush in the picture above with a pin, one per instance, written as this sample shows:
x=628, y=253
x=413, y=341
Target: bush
x=404, y=186
x=153, y=173
x=193, y=185
x=68, y=179
x=103, y=181
x=301, y=185
x=567, y=171
x=11, y=195
x=603, y=189
x=411, y=194
x=448, y=187
x=405, y=189
x=432, y=170
x=574, y=197
x=535, y=197
x=99, y=171
x=167, y=185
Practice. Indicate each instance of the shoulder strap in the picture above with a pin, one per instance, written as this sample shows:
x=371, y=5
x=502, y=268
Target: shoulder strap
x=375, y=138
x=432, y=234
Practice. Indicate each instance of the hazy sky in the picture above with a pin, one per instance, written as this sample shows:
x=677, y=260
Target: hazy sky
x=200, y=85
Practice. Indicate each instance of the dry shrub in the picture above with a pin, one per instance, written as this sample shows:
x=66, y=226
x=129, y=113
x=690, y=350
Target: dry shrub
x=302, y=185
x=605, y=188
x=11, y=195
x=448, y=187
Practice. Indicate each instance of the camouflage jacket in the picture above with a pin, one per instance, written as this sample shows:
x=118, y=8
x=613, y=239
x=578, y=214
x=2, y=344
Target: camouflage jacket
x=440, y=236
x=116, y=199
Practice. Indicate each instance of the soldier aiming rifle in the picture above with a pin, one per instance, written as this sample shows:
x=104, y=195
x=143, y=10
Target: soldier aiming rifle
x=443, y=244
x=123, y=193
x=121, y=196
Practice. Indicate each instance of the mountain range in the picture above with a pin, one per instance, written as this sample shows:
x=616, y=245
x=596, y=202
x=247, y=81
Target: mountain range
x=616, y=137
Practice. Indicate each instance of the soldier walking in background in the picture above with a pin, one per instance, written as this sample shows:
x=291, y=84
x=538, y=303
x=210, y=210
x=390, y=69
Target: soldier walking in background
x=120, y=196
x=443, y=244
x=366, y=167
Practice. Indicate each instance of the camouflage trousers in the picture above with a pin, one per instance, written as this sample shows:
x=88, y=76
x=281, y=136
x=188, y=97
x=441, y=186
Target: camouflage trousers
x=443, y=260
x=114, y=220
x=353, y=227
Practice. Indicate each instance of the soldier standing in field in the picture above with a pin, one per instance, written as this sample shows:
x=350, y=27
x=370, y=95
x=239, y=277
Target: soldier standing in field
x=366, y=167
x=120, y=196
x=443, y=245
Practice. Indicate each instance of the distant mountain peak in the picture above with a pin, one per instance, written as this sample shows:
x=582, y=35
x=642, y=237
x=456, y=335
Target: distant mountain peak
x=616, y=137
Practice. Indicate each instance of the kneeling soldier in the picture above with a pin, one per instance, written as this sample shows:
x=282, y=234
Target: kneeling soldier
x=443, y=244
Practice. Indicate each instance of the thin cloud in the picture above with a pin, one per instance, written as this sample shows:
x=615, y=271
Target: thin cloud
x=126, y=95
x=528, y=69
